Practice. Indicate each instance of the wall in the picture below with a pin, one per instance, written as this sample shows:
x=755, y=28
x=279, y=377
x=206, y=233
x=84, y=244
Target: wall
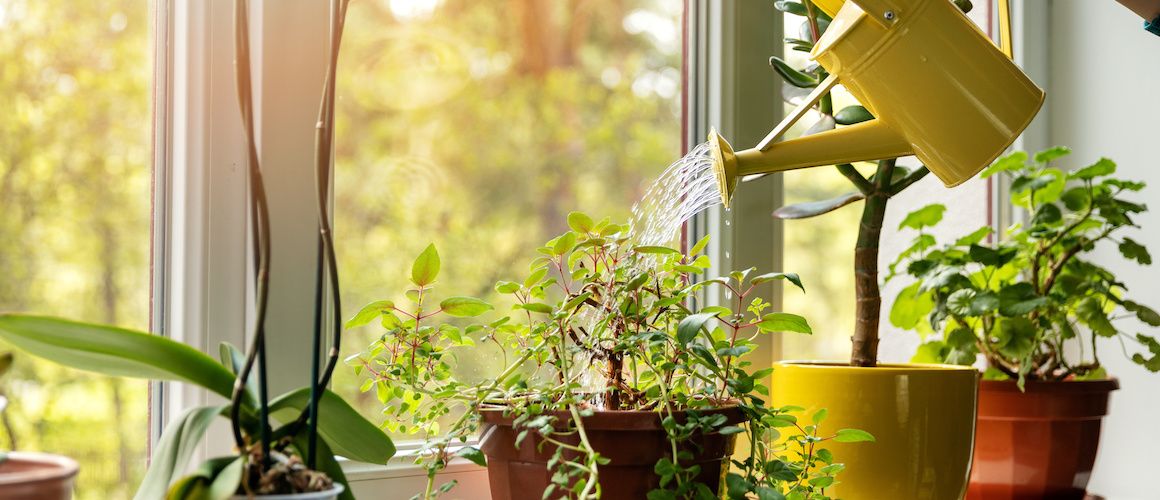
x=1103, y=101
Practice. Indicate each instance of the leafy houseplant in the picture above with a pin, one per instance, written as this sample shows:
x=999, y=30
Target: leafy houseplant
x=283, y=446
x=614, y=381
x=1033, y=308
x=942, y=397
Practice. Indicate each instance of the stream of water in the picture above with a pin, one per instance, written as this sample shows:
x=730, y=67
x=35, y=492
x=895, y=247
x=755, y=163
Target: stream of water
x=686, y=188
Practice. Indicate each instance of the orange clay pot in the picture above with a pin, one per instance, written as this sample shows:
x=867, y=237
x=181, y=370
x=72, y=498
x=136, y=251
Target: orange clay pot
x=633, y=441
x=37, y=476
x=1040, y=443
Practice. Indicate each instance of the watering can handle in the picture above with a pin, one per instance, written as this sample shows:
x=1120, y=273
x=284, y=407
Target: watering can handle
x=883, y=12
x=1005, y=28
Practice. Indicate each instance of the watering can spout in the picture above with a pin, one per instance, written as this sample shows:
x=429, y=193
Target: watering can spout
x=870, y=140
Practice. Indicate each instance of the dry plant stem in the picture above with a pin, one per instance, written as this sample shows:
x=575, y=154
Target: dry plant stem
x=869, y=298
x=260, y=218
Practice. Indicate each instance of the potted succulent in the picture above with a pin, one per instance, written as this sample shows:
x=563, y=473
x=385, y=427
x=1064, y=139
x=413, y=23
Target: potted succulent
x=1032, y=308
x=284, y=448
x=29, y=475
x=615, y=382
x=931, y=435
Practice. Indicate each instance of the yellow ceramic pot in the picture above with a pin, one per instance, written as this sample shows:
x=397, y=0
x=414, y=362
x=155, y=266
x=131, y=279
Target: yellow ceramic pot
x=923, y=417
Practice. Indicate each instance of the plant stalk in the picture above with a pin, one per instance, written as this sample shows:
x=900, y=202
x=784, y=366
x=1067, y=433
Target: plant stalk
x=864, y=342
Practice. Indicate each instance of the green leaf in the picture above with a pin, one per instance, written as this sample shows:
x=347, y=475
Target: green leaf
x=473, y=454
x=1015, y=337
x=819, y=416
x=1013, y=162
x=730, y=429
x=369, y=312
x=1051, y=154
x=507, y=287
x=791, y=75
x=976, y=237
x=1019, y=299
x=910, y=306
x=784, y=322
x=653, y=249
x=1100, y=168
x=234, y=359
x=227, y=479
x=426, y=267
x=346, y=431
x=791, y=277
x=1144, y=313
x=853, y=436
x=850, y=115
x=699, y=246
x=110, y=350
x=1131, y=249
x=692, y=324
x=580, y=222
x=1077, y=198
x=795, y=8
x=181, y=438
x=816, y=208
x=464, y=307
x=924, y=217
x=931, y=352
x=564, y=244
x=993, y=257
x=1091, y=312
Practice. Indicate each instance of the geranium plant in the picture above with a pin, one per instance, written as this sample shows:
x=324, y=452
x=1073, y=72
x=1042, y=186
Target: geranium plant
x=599, y=325
x=1023, y=300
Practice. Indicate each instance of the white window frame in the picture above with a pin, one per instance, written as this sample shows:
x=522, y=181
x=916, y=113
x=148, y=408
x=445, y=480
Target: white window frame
x=200, y=240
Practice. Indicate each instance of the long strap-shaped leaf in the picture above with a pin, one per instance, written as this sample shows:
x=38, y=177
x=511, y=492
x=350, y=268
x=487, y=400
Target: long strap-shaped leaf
x=176, y=447
x=347, y=432
x=114, y=351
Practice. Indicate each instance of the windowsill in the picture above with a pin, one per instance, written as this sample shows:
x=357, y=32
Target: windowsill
x=403, y=465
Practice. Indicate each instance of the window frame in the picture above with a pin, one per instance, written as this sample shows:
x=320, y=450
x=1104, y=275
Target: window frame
x=200, y=251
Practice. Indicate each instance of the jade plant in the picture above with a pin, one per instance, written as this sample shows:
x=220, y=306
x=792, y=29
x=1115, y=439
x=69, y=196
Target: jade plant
x=598, y=324
x=874, y=190
x=282, y=445
x=1031, y=304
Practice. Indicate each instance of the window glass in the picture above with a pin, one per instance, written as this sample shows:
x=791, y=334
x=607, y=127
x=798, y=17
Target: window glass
x=74, y=222
x=479, y=125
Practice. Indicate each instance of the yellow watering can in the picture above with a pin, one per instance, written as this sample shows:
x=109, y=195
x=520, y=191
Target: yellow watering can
x=938, y=87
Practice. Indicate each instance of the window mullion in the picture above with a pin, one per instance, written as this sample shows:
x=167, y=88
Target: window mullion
x=733, y=89
x=199, y=226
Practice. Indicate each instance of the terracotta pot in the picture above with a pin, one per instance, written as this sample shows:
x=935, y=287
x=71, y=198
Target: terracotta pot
x=1039, y=443
x=37, y=476
x=633, y=441
x=922, y=416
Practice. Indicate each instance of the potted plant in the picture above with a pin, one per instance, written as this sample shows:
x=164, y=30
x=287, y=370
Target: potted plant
x=1032, y=307
x=30, y=475
x=615, y=382
x=284, y=448
x=926, y=412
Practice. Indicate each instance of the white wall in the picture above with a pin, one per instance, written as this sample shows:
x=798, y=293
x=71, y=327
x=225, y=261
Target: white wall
x=1104, y=99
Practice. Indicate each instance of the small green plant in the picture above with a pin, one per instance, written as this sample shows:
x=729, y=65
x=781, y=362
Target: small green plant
x=598, y=324
x=1021, y=301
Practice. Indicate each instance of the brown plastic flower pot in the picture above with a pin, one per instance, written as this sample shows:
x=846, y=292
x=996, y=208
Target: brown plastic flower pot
x=37, y=476
x=633, y=441
x=1040, y=443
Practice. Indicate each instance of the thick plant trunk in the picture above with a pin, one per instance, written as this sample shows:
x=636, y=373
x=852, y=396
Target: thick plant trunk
x=869, y=297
